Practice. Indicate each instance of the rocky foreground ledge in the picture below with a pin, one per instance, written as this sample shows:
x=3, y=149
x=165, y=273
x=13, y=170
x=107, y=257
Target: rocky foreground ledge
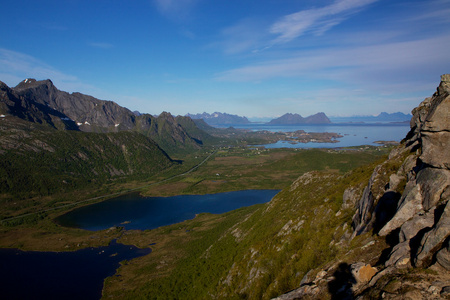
x=404, y=207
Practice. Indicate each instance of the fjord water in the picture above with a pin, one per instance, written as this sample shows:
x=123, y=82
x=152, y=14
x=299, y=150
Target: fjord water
x=61, y=275
x=353, y=134
x=132, y=211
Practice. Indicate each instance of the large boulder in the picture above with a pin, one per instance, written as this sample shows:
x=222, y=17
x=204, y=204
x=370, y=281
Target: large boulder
x=420, y=218
x=435, y=132
x=435, y=239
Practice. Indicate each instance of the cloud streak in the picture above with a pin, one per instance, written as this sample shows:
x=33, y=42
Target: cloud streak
x=175, y=9
x=316, y=21
x=383, y=62
x=16, y=66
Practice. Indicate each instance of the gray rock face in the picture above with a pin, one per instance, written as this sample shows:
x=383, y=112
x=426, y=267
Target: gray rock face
x=421, y=216
x=89, y=113
x=12, y=104
x=407, y=201
x=435, y=132
x=434, y=240
x=42, y=102
x=433, y=182
x=443, y=257
x=400, y=256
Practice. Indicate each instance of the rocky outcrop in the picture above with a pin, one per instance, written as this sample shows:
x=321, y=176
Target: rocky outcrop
x=406, y=206
x=420, y=222
x=89, y=113
x=12, y=104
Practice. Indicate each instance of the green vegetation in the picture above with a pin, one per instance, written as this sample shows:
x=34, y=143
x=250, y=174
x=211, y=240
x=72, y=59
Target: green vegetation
x=241, y=168
x=47, y=165
x=255, y=252
x=252, y=253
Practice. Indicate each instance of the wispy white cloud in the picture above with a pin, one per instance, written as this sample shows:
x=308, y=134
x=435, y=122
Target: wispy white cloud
x=316, y=20
x=245, y=35
x=390, y=62
x=16, y=66
x=175, y=9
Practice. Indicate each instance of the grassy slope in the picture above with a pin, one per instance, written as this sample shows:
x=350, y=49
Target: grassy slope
x=251, y=253
x=35, y=164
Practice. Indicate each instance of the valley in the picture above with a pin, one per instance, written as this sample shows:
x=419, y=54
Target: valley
x=372, y=213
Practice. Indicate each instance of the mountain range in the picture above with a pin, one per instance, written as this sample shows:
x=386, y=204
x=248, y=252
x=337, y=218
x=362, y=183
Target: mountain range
x=218, y=118
x=382, y=117
x=380, y=231
x=294, y=119
x=41, y=102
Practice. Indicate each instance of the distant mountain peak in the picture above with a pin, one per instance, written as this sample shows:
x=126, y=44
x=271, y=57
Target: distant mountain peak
x=218, y=118
x=29, y=80
x=33, y=83
x=293, y=119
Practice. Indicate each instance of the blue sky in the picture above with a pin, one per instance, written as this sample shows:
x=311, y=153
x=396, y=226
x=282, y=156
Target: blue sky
x=253, y=58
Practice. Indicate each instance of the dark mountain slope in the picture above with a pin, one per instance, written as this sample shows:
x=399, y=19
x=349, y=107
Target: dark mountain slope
x=94, y=115
x=172, y=136
x=89, y=113
x=29, y=110
x=36, y=160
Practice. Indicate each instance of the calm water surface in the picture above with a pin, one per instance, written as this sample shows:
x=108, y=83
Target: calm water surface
x=134, y=212
x=80, y=274
x=353, y=134
x=61, y=275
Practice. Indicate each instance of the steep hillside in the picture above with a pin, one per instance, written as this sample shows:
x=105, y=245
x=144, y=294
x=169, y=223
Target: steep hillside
x=378, y=232
x=37, y=160
x=172, y=136
x=406, y=206
x=11, y=104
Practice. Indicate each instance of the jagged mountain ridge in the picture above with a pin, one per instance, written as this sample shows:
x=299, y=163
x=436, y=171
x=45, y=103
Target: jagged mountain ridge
x=218, y=118
x=11, y=104
x=89, y=113
x=294, y=119
x=83, y=112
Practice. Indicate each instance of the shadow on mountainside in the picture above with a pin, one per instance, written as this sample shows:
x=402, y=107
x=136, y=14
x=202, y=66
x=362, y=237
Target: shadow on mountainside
x=340, y=287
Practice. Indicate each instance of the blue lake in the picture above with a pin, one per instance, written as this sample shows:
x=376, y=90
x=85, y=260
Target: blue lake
x=134, y=212
x=80, y=274
x=353, y=134
x=61, y=275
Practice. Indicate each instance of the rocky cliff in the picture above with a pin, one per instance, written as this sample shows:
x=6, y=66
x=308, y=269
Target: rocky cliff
x=405, y=206
x=12, y=104
x=41, y=102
